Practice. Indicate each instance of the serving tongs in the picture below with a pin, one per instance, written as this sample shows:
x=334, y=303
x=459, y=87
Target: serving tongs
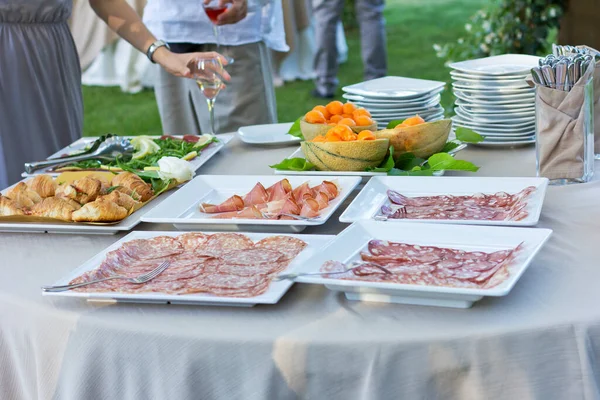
x=109, y=150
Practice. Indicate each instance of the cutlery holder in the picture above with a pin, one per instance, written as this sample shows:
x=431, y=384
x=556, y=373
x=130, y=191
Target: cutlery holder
x=565, y=131
x=596, y=103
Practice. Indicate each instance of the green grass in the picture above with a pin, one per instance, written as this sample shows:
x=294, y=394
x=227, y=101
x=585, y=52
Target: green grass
x=413, y=26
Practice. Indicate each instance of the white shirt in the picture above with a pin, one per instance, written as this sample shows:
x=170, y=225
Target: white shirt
x=184, y=21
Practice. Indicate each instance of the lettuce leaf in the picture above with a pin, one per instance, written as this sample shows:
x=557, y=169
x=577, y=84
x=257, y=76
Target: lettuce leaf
x=386, y=165
x=295, y=129
x=467, y=135
x=293, y=164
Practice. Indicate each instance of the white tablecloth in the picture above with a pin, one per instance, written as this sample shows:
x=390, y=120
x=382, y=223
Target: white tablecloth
x=542, y=341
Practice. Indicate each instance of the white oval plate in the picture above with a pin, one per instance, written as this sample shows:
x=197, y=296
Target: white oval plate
x=495, y=108
x=486, y=91
x=491, y=128
x=406, y=114
x=503, y=65
x=403, y=106
x=497, y=100
x=478, y=95
x=396, y=87
x=268, y=134
x=488, y=79
x=494, y=118
x=417, y=100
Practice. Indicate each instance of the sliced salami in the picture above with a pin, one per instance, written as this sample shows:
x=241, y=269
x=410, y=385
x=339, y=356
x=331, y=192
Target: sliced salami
x=193, y=240
x=222, y=243
x=290, y=247
x=156, y=247
x=252, y=256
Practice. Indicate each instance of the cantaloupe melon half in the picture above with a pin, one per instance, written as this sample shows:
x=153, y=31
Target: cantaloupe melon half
x=311, y=131
x=422, y=140
x=346, y=156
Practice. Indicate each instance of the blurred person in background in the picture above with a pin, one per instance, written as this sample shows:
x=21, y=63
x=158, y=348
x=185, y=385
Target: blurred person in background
x=369, y=15
x=41, y=105
x=250, y=96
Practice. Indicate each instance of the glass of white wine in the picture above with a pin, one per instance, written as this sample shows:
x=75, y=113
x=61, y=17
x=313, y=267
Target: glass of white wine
x=208, y=75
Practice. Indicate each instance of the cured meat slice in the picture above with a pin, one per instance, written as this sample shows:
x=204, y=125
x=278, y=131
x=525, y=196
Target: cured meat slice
x=289, y=246
x=231, y=282
x=247, y=213
x=191, y=241
x=300, y=191
x=258, y=195
x=327, y=187
x=310, y=208
x=156, y=247
x=252, y=256
x=263, y=269
x=222, y=243
x=279, y=190
x=234, y=203
x=322, y=199
x=290, y=207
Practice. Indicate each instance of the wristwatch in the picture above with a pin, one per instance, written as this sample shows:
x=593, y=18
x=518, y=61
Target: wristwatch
x=153, y=47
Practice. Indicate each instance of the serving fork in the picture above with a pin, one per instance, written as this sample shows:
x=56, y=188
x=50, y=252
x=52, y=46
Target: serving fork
x=351, y=267
x=138, y=279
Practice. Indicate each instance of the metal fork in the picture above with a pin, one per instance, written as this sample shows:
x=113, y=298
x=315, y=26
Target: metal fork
x=138, y=280
x=351, y=267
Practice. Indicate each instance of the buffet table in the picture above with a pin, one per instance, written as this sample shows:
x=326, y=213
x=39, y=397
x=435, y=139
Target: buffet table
x=541, y=341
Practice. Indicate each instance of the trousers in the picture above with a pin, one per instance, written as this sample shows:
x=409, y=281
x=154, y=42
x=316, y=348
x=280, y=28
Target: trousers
x=327, y=14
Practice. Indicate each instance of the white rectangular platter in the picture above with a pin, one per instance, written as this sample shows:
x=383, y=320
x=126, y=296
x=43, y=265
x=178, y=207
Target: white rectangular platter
x=368, y=202
x=82, y=228
x=276, y=290
x=205, y=155
x=182, y=209
x=346, y=248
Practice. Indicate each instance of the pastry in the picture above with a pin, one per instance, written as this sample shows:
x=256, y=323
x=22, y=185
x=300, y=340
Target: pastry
x=133, y=183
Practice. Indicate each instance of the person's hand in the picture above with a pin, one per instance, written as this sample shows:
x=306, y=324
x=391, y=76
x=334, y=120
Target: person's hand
x=183, y=65
x=234, y=13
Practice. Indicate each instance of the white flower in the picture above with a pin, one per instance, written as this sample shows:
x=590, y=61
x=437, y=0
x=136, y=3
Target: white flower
x=484, y=48
x=487, y=25
x=461, y=40
x=552, y=12
x=488, y=38
x=437, y=47
x=468, y=27
x=175, y=168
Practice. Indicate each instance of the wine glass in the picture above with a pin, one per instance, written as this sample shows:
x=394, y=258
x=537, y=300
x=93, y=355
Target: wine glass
x=208, y=75
x=213, y=9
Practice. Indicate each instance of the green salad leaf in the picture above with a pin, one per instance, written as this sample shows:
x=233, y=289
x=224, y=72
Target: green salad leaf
x=387, y=164
x=467, y=135
x=444, y=161
x=295, y=129
x=394, y=123
x=294, y=164
x=449, y=146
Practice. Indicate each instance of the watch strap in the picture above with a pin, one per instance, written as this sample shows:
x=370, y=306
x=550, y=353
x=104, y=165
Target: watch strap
x=155, y=46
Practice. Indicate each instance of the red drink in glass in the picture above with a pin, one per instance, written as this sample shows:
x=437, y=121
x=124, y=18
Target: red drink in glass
x=214, y=12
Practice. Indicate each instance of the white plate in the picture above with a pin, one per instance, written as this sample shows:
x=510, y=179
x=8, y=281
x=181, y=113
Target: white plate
x=347, y=245
x=417, y=101
x=368, y=202
x=432, y=102
x=268, y=134
x=513, y=143
x=503, y=65
x=495, y=120
x=503, y=114
x=80, y=228
x=395, y=87
x=182, y=208
x=496, y=108
x=529, y=96
x=492, y=129
x=486, y=85
x=395, y=108
x=406, y=114
x=271, y=296
x=80, y=144
x=488, y=79
x=499, y=100
x=502, y=91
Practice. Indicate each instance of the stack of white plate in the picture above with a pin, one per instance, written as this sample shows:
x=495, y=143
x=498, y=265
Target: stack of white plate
x=493, y=98
x=395, y=97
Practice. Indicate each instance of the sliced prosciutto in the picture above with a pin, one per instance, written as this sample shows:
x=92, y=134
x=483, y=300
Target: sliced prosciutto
x=234, y=203
x=258, y=195
x=274, y=201
x=279, y=190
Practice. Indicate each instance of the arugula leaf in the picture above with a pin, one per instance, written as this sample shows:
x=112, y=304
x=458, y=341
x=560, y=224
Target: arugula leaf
x=295, y=129
x=413, y=172
x=467, y=135
x=386, y=165
x=293, y=164
x=394, y=123
x=449, y=146
x=444, y=161
x=111, y=189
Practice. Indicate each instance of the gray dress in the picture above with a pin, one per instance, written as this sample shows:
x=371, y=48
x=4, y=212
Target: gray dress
x=41, y=106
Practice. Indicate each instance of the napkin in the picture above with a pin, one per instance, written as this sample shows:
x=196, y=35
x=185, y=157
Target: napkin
x=561, y=128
